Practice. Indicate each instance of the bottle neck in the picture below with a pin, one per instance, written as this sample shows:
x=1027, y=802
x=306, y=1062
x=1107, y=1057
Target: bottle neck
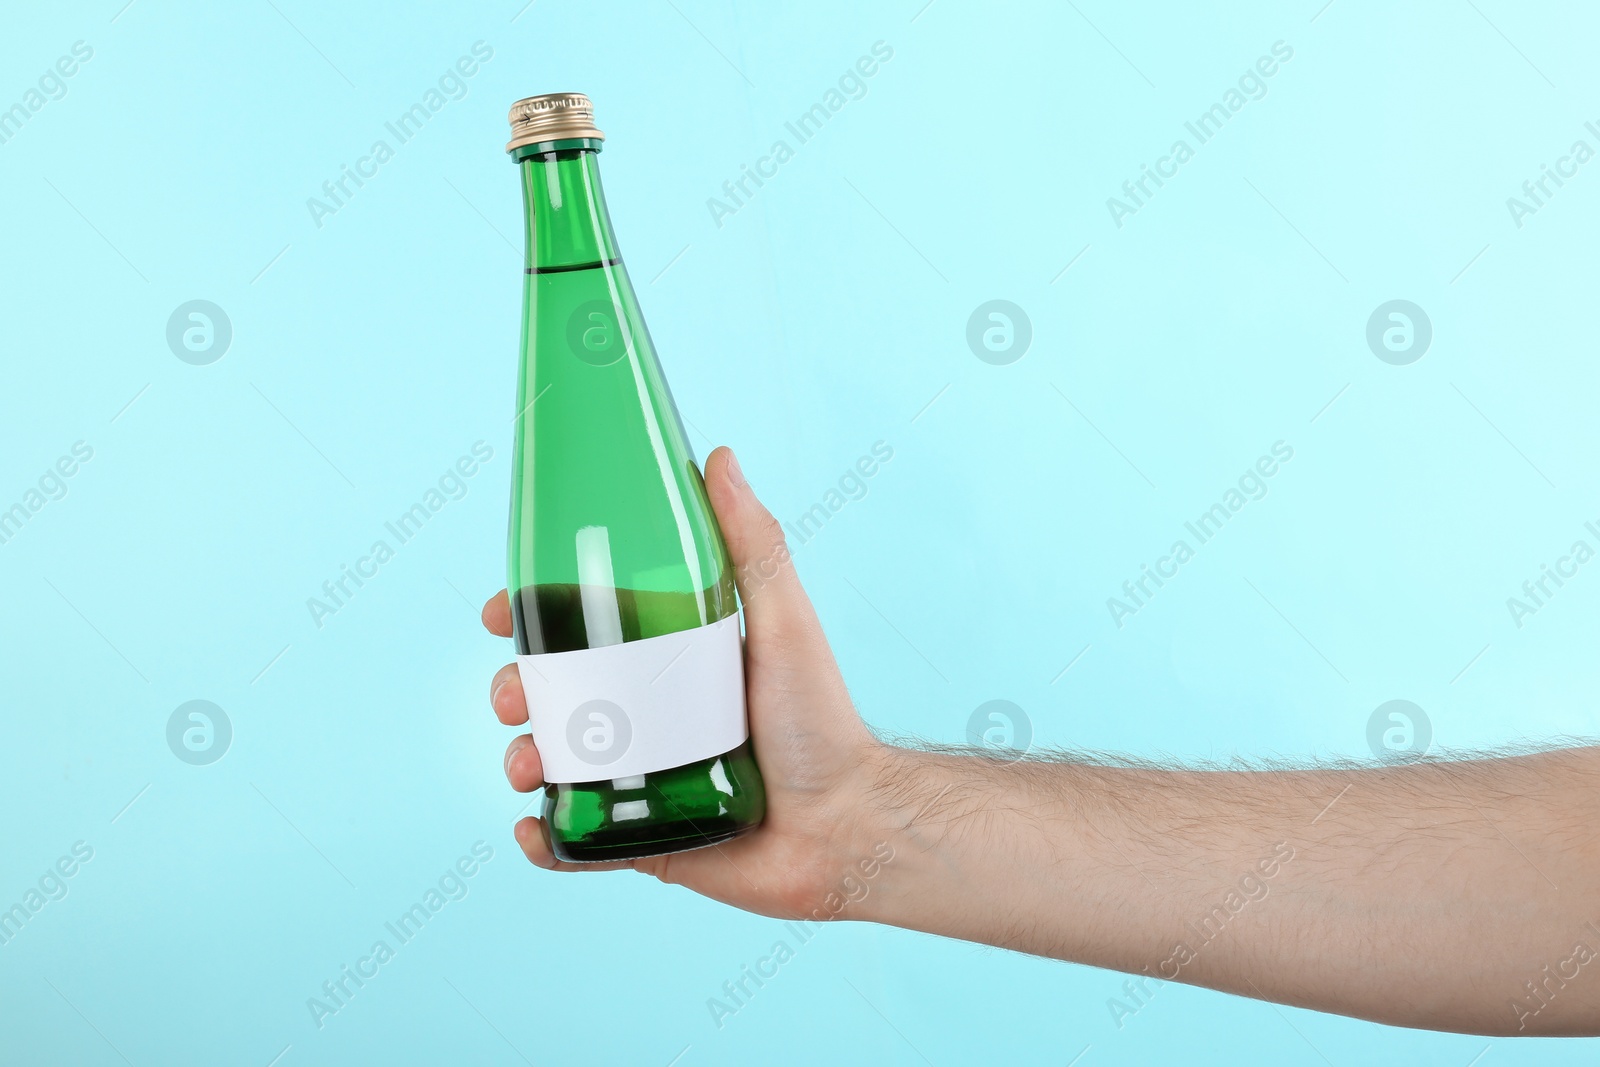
x=566, y=224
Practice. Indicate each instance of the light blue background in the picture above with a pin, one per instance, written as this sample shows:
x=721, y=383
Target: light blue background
x=368, y=354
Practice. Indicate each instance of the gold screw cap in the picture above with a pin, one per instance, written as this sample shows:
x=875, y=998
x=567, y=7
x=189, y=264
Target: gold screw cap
x=552, y=117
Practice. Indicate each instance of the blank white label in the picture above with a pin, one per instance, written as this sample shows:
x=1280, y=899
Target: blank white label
x=620, y=710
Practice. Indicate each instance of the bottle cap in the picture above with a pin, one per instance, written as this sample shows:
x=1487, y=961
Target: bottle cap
x=552, y=117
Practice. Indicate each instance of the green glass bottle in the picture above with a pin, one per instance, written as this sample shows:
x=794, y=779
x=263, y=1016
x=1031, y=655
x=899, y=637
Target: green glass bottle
x=622, y=597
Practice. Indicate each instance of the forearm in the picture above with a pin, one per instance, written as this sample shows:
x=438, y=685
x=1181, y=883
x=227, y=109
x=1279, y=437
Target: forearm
x=1439, y=895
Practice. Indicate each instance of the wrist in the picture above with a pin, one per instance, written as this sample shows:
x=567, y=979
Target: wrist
x=848, y=838
x=875, y=852
x=932, y=824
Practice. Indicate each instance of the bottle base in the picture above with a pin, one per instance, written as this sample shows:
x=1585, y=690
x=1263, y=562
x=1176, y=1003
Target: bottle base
x=655, y=841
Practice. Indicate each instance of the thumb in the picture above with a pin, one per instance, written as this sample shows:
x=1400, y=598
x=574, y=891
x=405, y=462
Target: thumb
x=801, y=717
x=774, y=602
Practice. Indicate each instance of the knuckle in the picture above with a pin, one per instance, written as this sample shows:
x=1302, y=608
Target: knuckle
x=772, y=535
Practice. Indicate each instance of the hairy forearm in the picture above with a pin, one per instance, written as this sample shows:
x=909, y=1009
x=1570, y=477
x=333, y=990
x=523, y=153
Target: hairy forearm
x=1455, y=896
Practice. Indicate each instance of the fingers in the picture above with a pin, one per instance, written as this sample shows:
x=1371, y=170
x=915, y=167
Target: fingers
x=497, y=615
x=530, y=835
x=524, y=768
x=773, y=599
x=506, y=697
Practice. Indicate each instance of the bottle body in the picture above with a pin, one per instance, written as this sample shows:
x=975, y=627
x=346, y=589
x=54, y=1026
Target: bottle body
x=623, y=604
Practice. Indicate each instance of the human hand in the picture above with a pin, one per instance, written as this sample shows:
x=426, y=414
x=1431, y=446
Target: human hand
x=819, y=761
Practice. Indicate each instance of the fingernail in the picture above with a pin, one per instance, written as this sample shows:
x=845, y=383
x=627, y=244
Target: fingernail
x=512, y=753
x=494, y=696
x=735, y=475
